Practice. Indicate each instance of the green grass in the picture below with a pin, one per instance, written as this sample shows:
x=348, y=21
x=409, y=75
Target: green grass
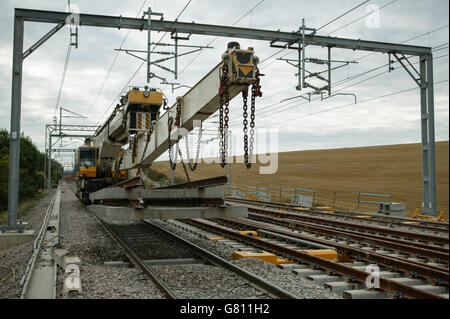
x=156, y=176
x=24, y=208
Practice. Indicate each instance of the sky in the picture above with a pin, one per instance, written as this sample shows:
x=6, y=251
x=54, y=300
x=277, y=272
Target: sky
x=301, y=125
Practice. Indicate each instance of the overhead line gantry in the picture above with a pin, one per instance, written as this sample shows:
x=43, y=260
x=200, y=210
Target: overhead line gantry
x=298, y=40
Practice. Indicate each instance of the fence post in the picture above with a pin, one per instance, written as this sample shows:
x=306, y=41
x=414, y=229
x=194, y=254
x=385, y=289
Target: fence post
x=334, y=200
x=357, y=206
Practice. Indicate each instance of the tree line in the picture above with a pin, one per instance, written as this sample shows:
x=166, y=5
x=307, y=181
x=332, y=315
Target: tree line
x=32, y=175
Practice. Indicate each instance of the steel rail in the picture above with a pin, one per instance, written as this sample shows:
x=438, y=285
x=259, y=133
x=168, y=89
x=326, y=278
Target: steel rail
x=387, y=219
x=398, y=289
x=138, y=261
x=429, y=225
x=393, y=243
x=130, y=183
x=362, y=228
x=420, y=269
x=207, y=182
x=260, y=283
x=37, y=244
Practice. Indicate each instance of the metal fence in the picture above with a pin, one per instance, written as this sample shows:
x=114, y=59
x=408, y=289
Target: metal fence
x=371, y=201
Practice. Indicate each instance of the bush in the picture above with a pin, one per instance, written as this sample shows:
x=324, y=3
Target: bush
x=31, y=176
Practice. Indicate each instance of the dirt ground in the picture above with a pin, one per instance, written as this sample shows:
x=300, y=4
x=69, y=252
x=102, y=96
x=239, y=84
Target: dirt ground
x=339, y=174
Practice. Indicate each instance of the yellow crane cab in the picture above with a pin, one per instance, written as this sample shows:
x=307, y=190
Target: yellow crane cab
x=87, y=162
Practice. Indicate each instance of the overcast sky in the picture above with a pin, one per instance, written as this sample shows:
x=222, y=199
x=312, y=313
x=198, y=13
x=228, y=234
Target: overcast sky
x=317, y=125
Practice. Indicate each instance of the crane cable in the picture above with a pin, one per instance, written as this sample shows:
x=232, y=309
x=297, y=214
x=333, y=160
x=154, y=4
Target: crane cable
x=66, y=63
x=140, y=66
x=340, y=89
x=113, y=63
x=437, y=48
x=354, y=21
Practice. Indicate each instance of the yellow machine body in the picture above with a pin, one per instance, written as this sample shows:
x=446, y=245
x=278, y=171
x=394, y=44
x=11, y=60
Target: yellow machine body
x=141, y=108
x=139, y=97
x=87, y=162
x=241, y=66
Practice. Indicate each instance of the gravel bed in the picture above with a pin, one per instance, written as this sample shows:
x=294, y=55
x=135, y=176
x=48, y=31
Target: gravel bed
x=83, y=236
x=205, y=282
x=149, y=244
x=301, y=287
x=186, y=281
x=17, y=257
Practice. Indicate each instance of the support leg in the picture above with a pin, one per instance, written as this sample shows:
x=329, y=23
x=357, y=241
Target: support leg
x=431, y=138
x=428, y=139
x=14, y=150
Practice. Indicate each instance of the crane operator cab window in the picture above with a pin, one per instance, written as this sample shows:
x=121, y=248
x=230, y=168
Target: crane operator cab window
x=87, y=157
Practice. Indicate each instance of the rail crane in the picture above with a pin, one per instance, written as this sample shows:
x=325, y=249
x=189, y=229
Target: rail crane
x=138, y=131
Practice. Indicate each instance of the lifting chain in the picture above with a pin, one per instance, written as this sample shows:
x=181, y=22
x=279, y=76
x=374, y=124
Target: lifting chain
x=256, y=92
x=178, y=115
x=193, y=167
x=117, y=165
x=170, y=120
x=173, y=164
x=149, y=135
x=223, y=113
x=184, y=166
x=245, y=123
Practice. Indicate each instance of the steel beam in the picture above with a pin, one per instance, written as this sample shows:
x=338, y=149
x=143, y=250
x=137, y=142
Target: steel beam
x=49, y=166
x=64, y=150
x=217, y=30
x=432, y=205
x=188, y=193
x=81, y=128
x=149, y=42
x=71, y=135
x=109, y=213
x=42, y=40
x=204, y=98
x=14, y=151
x=202, y=183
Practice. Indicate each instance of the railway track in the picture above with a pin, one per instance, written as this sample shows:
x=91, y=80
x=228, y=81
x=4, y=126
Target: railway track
x=369, y=218
x=152, y=248
x=399, y=277
x=413, y=260
x=415, y=235
x=407, y=248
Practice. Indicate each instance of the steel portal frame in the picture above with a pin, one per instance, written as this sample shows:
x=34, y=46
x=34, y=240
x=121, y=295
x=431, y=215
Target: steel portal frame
x=84, y=131
x=288, y=38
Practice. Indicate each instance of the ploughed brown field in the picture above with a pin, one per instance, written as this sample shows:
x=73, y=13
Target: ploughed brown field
x=338, y=174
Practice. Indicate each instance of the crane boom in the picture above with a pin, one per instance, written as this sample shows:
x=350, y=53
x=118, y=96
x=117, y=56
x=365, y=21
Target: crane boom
x=138, y=120
x=199, y=103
